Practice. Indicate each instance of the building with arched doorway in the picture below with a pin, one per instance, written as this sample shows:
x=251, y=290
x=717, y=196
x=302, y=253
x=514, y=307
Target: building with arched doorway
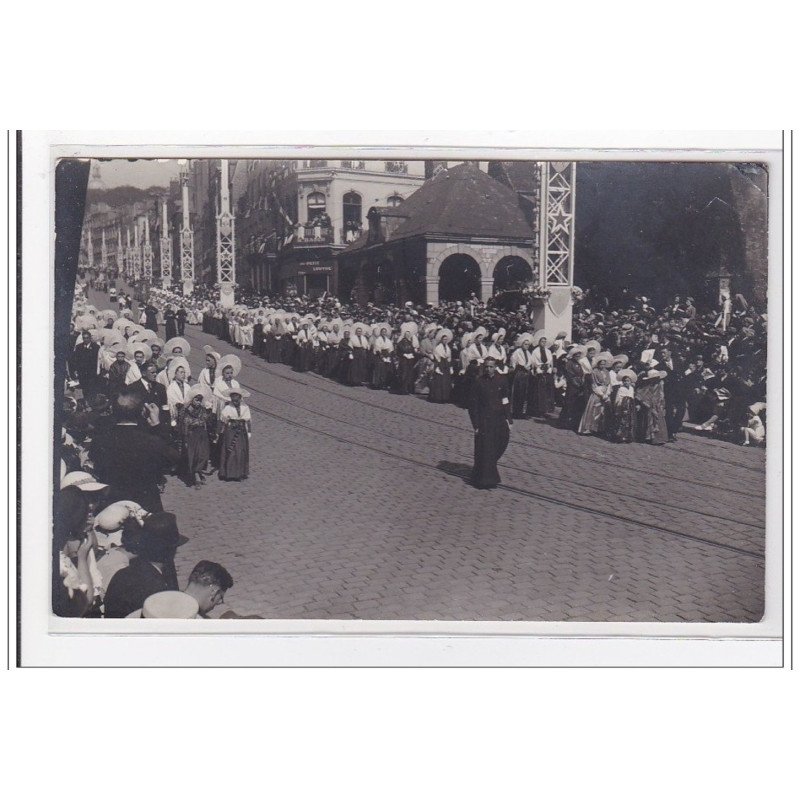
x=461, y=232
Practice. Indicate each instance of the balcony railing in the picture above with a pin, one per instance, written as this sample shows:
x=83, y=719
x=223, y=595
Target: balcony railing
x=314, y=234
x=353, y=165
x=314, y=164
x=397, y=167
x=350, y=234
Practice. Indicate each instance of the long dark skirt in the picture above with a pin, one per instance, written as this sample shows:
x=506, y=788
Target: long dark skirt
x=234, y=452
x=491, y=442
x=519, y=392
x=304, y=357
x=274, y=349
x=197, y=451
x=541, y=395
x=288, y=351
x=440, y=383
x=381, y=372
x=358, y=367
x=574, y=404
x=171, y=330
x=332, y=361
x=405, y=376
x=624, y=421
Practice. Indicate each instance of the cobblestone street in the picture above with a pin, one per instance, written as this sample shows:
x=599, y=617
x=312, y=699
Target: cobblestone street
x=357, y=508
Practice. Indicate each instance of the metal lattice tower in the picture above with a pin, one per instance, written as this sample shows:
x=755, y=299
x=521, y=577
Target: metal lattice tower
x=120, y=254
x=136, y=253
x=226, y=241
x=556, y=223
x=187, y=238
x=89, y=249
x=147, y=253
x=103, y=251
x=166, y=248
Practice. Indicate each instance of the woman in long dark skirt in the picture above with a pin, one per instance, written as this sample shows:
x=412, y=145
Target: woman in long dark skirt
x=575, y=393
x=193, y=427
x=542, y=393
x=521, y=363
x=406, y=360
x=440, y=382
x=382, y=349
x=234, y=434
x=359, y=372
x=344, y=363
x=624, y=407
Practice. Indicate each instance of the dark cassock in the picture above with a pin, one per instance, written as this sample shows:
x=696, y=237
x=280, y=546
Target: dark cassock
x=171, y=330
x=83, y=365
x=151, y=317
x=180, y=318
x=490, y=414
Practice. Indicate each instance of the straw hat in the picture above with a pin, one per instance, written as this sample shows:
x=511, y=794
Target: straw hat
x=539, y=335
x=409, y=327
x=177, y=341
x=577, y=349
x=83, y=480
x=593, y=343
x=200, y=389
x=170, y=605
x=227, y=392
x=604, y=356
x=178, y=361
x=139, y=347
x=210, y=351
x=230, y=360
x=442, y=333
x=620, y=359
x=627, y=373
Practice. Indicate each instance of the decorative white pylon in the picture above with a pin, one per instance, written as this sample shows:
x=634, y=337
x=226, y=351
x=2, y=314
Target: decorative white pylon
x=187, y=238
x=147, y=252
x=166, y=248
x=226, y=241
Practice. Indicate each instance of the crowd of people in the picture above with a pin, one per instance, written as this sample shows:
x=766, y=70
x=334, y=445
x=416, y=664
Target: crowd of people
x=631, y=374
x=134, y=415
x=131, y=417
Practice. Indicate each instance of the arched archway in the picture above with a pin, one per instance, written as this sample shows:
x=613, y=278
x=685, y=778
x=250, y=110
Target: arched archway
x=459, y=276
x=512, y=273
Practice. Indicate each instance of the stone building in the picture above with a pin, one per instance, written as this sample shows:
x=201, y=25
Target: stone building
x=461, y=232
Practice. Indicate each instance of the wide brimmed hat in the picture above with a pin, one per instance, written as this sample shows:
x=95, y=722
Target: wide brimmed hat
x=620, y=359
x=480, y=331
x=178, y=341
x=526, y=336
x=562, y=335
x=230, y=360
x=144, y=335
x=122, y=323
x=593, y=343
x=200, y=389
x=170, y=605
x=83, y=480
x=409, y=327
x=542, y=334
x=466, y=339
x=159, y=536
x=227, y=392
x=210, y=351
x=604, y=356
x=157, y=343
x=178, y=361
x=85, y=321
x=627, y=373
x=140, y=347
x=577, y=349
x=441, y=334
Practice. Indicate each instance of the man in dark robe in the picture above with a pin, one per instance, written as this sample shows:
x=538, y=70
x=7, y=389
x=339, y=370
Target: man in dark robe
x=83, y=363
x=151, y=317
x=181, y=319
x=490, y=413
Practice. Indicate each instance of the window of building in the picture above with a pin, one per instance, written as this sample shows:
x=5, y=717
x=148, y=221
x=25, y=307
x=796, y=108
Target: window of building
x=351, y=208
x=316, y=205
x=394, y=201
x=396, y=166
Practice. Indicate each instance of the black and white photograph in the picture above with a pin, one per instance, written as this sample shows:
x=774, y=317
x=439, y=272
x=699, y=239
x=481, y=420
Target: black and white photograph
x=344, y=388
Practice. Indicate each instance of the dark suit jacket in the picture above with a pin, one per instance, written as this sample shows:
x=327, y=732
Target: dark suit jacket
x=157, y=393
x=132, y=461
x=132, y=585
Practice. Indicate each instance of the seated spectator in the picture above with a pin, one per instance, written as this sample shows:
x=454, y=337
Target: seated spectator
x=151, y=571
